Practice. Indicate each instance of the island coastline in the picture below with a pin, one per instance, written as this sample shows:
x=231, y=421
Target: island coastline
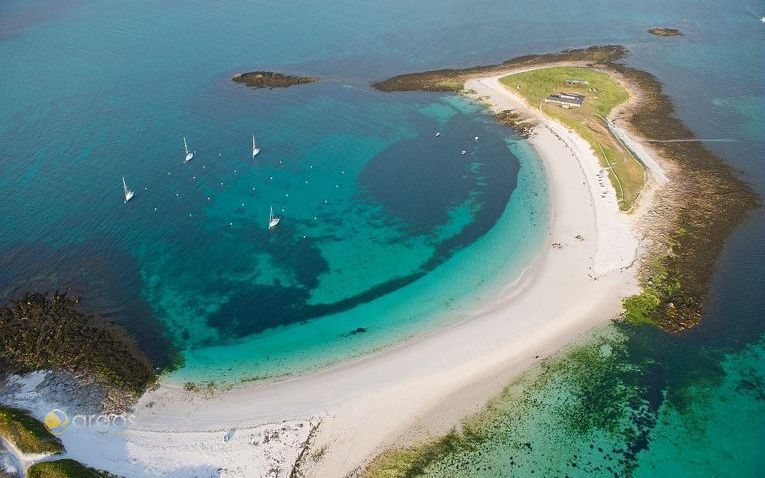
x=423, y=388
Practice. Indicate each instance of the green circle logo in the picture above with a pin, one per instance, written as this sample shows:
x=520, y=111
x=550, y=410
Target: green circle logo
x=56, y=421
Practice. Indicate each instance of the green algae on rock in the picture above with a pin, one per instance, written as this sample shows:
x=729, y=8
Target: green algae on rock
x=49, y=332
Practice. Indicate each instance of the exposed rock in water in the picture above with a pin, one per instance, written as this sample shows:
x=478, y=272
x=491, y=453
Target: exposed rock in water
x=39, y=332
x=270, y=79
x=665, y=32
x=521, y=125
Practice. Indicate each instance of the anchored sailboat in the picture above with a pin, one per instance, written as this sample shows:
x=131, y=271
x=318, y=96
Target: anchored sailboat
x=189, y=154
x=255, y=149
x=128, y=192
x=273, y=220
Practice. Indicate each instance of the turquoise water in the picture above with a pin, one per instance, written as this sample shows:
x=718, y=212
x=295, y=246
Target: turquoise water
x=385, y=228
x=615, y=406
x=394, y=232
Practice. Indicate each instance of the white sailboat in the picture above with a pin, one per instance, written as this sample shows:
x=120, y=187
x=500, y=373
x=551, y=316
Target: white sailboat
x=255, y=149
x=189, y=154
x=273, y=220
x=128, y=192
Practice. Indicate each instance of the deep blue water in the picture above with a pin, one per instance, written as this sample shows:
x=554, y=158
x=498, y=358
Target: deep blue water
x=382, y=223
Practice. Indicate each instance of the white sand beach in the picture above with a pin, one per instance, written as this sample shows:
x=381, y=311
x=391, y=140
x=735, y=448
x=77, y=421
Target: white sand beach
x=412, y=389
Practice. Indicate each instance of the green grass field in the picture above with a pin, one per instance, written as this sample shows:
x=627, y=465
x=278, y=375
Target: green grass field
x=65, y=468
x=602, y=93
x=26, y=433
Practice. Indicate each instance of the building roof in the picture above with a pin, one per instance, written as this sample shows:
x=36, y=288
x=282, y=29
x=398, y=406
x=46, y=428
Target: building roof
x=567, y=98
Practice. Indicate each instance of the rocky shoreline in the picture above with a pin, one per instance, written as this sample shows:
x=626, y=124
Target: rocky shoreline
x=270, y=79
x=87, y=356
x=453, y=80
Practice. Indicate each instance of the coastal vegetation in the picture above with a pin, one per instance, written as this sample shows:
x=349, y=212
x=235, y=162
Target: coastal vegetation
x=270, y=79
x=27, y=434
x=65, y=468
x=585, y=392
x=603, y=397
x=697, y=212
x=660, y=299
x=602, y=94
x=589, y=410
x=665, y=32
x=49, y=332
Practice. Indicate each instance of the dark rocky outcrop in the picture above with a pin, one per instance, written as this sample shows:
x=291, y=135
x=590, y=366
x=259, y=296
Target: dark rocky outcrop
x=665, y=32
x=41, y=331
x=270, y=79
x=520, y=124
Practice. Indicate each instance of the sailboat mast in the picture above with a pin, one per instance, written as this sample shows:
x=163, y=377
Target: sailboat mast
x=124, y=185
x=185, y=146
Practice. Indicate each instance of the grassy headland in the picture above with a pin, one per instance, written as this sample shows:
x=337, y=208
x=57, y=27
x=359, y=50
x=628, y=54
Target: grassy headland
x=691, y=218
x=602, y=94
x=26, y=433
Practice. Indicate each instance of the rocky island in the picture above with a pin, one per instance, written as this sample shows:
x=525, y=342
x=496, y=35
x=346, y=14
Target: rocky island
x=270, y=79
x=665, y=32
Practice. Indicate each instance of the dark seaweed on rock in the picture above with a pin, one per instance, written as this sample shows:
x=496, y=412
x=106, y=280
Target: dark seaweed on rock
x=48, y=332
x=270, y=79
x=697, y=212
x=521, y=125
